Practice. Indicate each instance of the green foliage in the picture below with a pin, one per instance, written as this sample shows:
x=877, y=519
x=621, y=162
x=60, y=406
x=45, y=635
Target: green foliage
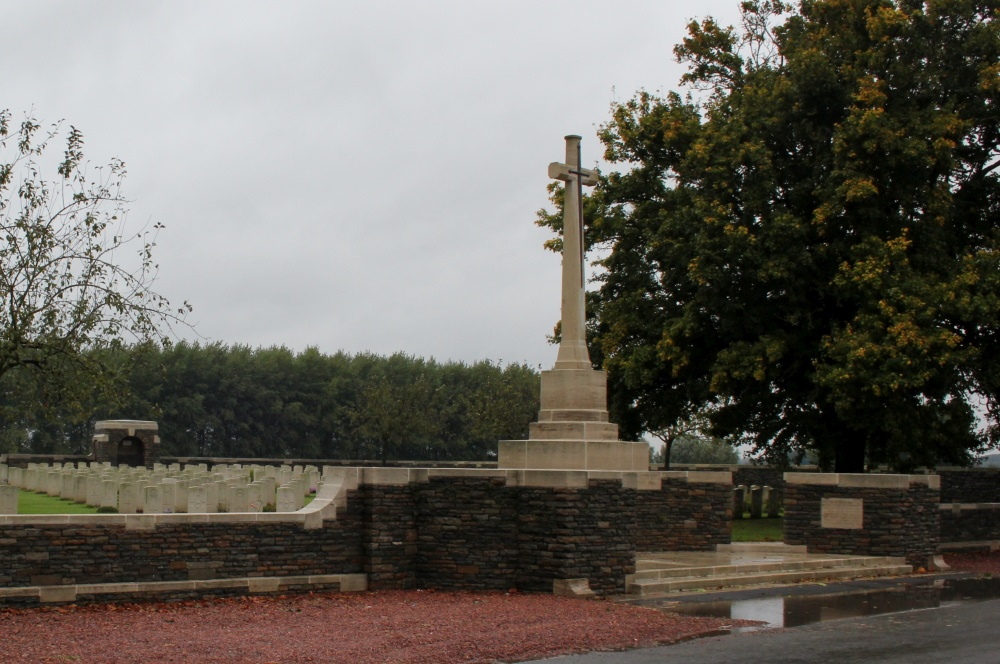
x=73, y=277
x=234, y=401
x=688, y=449
x=759, y=530
x=807, y=245
x=107, y=509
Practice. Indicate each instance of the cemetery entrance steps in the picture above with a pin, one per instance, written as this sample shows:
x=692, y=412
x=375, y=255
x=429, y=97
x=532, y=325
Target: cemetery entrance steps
x=751, y=564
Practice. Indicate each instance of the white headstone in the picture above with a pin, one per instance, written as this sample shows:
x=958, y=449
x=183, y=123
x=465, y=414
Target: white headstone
x=197, y=500
x=128, y=501
x=109, y=493
x=152, y=500
x=168, y=494
x=238, y=500
x=286, y=499
x=211, y=497
x=8, y=499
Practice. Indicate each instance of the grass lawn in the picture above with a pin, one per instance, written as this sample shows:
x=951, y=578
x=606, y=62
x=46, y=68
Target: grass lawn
x=29, y=502
x=759, y=530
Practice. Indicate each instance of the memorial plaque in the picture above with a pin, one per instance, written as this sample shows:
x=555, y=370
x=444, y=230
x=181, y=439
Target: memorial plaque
x=842, y=513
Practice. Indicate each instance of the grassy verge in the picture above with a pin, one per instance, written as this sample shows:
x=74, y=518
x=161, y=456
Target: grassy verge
x=29, y=502
x=759, y=530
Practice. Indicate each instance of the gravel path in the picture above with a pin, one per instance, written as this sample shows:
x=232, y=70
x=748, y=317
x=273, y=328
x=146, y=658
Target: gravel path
x=394, y=627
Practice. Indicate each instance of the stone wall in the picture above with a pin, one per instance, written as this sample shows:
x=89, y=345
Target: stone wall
x=693, y=513
x=969, y=522
x=970, y=485
x=879, y=515
x=481, y=529
x=392, y=528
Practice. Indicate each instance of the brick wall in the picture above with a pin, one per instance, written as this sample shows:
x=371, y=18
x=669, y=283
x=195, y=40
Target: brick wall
x=900, y=514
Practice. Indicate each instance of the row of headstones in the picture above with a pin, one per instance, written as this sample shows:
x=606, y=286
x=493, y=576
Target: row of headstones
x=167, y=489
x=756, y=500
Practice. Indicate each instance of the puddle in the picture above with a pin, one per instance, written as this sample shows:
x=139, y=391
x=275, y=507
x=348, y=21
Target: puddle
x=793, y=610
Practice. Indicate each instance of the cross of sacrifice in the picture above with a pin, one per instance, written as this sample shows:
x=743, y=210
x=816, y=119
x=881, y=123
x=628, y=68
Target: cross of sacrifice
x=573, y=346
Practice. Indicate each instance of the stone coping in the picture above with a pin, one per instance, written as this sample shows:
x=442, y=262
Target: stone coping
x=121, y=424
x=968, y=507
x=862, y=480
x=331, y=495
x=540, y=478
x=254, y=585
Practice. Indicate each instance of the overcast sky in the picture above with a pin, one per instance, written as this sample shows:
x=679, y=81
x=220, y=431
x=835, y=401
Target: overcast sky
x=352, y=176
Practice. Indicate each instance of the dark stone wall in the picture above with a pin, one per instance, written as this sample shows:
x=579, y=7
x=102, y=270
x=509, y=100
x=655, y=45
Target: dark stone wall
x=454, y=532
x=897, y=522
x=970, y=485
x=479, y=533
x=468, y=536
x=389, y=536
x=684, y=517
x=970, y=523
x=53, y=554
x=576, y=534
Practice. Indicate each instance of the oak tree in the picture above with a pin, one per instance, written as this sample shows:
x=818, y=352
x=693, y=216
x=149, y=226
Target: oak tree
x=806, y=243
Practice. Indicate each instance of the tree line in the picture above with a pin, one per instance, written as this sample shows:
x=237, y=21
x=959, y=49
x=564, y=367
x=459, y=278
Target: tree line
x=236, y=401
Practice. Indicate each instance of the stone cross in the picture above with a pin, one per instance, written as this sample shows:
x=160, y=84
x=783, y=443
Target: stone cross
x=573, y=352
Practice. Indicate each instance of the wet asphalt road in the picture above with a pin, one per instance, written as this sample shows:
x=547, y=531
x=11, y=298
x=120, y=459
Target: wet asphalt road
x=966, y=632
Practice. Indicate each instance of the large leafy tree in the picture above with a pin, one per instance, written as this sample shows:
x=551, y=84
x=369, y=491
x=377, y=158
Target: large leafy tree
x=73, y=276
x=806, y=244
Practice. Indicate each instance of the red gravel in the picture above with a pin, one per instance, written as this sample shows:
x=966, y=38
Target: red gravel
x=398, y=626
x=975, y=561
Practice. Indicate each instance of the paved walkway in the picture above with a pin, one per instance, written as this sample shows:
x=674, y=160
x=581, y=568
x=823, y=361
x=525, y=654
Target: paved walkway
x=962, y=633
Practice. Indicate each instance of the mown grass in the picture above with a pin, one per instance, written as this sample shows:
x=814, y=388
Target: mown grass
x=759, y=530
x=29, y=502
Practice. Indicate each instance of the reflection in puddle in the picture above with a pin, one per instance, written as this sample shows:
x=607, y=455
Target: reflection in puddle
x=786, y=612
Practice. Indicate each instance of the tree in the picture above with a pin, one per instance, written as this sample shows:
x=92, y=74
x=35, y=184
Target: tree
x=72, y=277
x=691, y=449
x=807, y=242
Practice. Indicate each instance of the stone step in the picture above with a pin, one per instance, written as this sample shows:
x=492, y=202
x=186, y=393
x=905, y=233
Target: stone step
x=649, y=569
x=647, y=586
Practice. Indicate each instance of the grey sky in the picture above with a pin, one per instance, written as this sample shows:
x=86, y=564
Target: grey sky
x=355, y=176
